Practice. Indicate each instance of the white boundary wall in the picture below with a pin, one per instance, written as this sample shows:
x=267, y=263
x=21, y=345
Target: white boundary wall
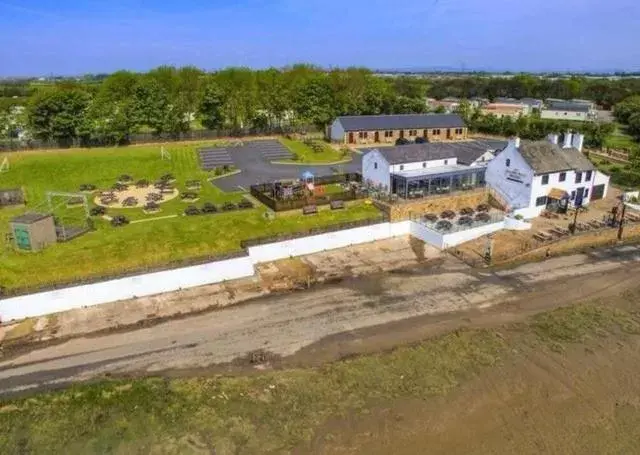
x=444, y=241
x=48, y=302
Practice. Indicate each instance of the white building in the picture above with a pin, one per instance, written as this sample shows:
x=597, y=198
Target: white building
x=535, y=176
x=569, y=110
x=418, y=170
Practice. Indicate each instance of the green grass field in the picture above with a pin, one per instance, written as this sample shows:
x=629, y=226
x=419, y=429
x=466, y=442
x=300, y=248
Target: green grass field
x=620, y=140
x=305, y=154
x=107, y=250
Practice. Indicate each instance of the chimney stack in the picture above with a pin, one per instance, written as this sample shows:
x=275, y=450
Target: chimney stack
x=578, y=141
x=553, y=138
x=567, y=139
x=515, y=141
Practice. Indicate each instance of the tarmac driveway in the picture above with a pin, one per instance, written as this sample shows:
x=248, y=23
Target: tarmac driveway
x=255, y=168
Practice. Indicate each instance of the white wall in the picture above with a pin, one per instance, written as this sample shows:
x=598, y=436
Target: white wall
x=427, y=235
x=43, y=303
x=379, y=175
x=337, y=131
x=124, y=288
x=424, y=164
x=456, y=238
x=602, y=179
x=563, y=115
x=517, y=194
x=484, y=159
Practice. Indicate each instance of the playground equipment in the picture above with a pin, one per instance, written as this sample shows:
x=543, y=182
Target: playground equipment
x=4, y=167
x=164, y=154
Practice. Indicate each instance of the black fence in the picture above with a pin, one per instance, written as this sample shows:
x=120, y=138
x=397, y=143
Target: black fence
x=313, y=231
x=14, y=145
x=264, y=193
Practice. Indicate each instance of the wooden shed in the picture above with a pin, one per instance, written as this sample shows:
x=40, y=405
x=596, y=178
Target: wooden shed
x=33, y=231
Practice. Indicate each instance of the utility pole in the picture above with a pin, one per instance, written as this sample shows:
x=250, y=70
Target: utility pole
x=621, y=227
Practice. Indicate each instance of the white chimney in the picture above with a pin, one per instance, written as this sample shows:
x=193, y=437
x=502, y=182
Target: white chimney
x=578, y=141
x=567, y=139
x=553, y=138
x=515, y=141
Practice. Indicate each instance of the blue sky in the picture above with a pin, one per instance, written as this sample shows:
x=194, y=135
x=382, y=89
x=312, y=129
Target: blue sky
x=40, y=37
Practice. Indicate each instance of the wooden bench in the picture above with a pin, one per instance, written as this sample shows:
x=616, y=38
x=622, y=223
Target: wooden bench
x=309, y=210
x=336, y=205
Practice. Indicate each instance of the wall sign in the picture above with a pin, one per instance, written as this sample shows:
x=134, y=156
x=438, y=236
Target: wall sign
x=515, y=175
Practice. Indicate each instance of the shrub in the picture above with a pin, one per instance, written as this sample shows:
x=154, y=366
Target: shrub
x=130, y=202
x=87, y=187
x=154, y=197
x=209, y=207
x=420, y=140
x=150, y=206
x=119, y=187
x=98, y=211
x=614, y=169
x=189, y=195
x=228, y=206
x=482, y=216
x=483, y=208
x=245, y=204
x=519, y=217
x=402, y=141
x=119, y=220
x=465, y=220
x=467, y=211
x=142, y=183
x=430, y=217
x=125, y=178
x=444, y=225
x=448, y=214
x=167, y=178
x=192, y=210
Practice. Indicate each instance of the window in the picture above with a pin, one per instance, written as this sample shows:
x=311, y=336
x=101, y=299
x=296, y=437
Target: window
x=424, y=164
x=587, y=177
x=578, y=177
x=402, y=167
x=361, y=135
x=436, y=132
x=458, y=130
x=541, y=201
x=545, y=179
x=446, y=162
x=586, y=193
x=562, y=177
x=424, y=133
x=375, y=165
x=413, y=132
x=573, y=195
x=508, y=162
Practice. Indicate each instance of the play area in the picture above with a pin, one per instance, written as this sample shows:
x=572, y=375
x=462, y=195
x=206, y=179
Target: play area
x=141, y=194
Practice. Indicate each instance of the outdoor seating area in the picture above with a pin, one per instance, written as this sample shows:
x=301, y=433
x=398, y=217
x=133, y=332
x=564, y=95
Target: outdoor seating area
x=449, y=221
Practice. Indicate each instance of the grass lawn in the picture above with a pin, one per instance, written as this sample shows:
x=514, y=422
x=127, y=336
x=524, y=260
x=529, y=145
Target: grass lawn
x=278, y=411
x=620, y=140
x=108, y=250
x=305, y=154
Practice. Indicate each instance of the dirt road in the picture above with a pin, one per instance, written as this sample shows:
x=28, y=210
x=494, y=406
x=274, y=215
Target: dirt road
x=332, y=321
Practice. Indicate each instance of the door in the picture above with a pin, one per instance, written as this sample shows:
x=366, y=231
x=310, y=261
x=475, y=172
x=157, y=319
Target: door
x=23, y=239
x=351, y=141
x=401, y=134
x=448, y=133
x=597, y=192
x=376, y=136
x=579, y=197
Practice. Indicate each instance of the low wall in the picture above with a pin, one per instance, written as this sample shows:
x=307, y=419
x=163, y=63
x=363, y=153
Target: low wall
x=444, y=241
x=436, y=204
x=64, y=299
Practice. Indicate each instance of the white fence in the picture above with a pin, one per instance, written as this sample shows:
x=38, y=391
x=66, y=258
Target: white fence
x=443, y=241
x=43, y=303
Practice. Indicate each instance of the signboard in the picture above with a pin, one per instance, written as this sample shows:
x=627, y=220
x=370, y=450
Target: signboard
x=515, y=175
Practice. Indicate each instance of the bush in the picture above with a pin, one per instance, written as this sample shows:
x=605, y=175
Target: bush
x=483, y=208
x=119, y=220
x=167, y=178
x=467, y=211
x=482, y=216
x=192, y=210
x=402, y=141
x=228, y=206
x=189, y=195
x=125, y=178
x=444, y=225
x=142, y=183
x=87, y=187
x=430, y=217
x=614, y=169
x=208, y=207
x=119, y=187
x=420, y=140
x=98, y=211
x=150, y=206
x=519, y=217
x=448, y=214
x=245, y=204
x=465, y=220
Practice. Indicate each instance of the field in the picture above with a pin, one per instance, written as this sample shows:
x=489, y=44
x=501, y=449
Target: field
x=620, y=140
x=110, y=250
x=305, y=154
x=562, y=382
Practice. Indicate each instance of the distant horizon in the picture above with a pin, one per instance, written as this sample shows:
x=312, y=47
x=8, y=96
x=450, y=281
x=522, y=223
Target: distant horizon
x=74, y=37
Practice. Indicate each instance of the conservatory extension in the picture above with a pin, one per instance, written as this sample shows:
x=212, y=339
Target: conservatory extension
x=418, y=183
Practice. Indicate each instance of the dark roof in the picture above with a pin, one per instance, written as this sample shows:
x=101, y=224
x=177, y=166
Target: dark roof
x=404, y=121
x=28, y=218
x=568, y=106
x=545, y=157
x=466, y=152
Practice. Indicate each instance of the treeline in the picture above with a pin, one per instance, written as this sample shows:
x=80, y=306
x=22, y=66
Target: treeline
x=628, y=113
x=604, y=92
x=170, y=101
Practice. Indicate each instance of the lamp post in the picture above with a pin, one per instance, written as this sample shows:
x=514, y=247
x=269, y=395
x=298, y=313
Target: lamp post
x=621, y=227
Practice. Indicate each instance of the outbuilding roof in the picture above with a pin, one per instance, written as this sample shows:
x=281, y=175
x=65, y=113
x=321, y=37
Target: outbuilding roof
x=545, y=157
x=402, y=121
x=29, y=218
x=466, y=152
x=568, y=106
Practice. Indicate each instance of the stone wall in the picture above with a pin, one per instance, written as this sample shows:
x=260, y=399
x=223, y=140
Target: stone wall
x=436, y=204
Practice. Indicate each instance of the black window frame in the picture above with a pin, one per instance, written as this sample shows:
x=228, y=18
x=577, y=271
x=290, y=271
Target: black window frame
x=578, y=177
x=542, y=200
x=562, y=177
x=507, y=163
x=588, y=176
x=544, y=180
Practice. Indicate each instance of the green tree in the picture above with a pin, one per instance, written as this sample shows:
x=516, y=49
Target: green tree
x=58, y=114
x=313, y=101
x=626, y=108
x=239, y=90
x=211, y=106
x=634, y=124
